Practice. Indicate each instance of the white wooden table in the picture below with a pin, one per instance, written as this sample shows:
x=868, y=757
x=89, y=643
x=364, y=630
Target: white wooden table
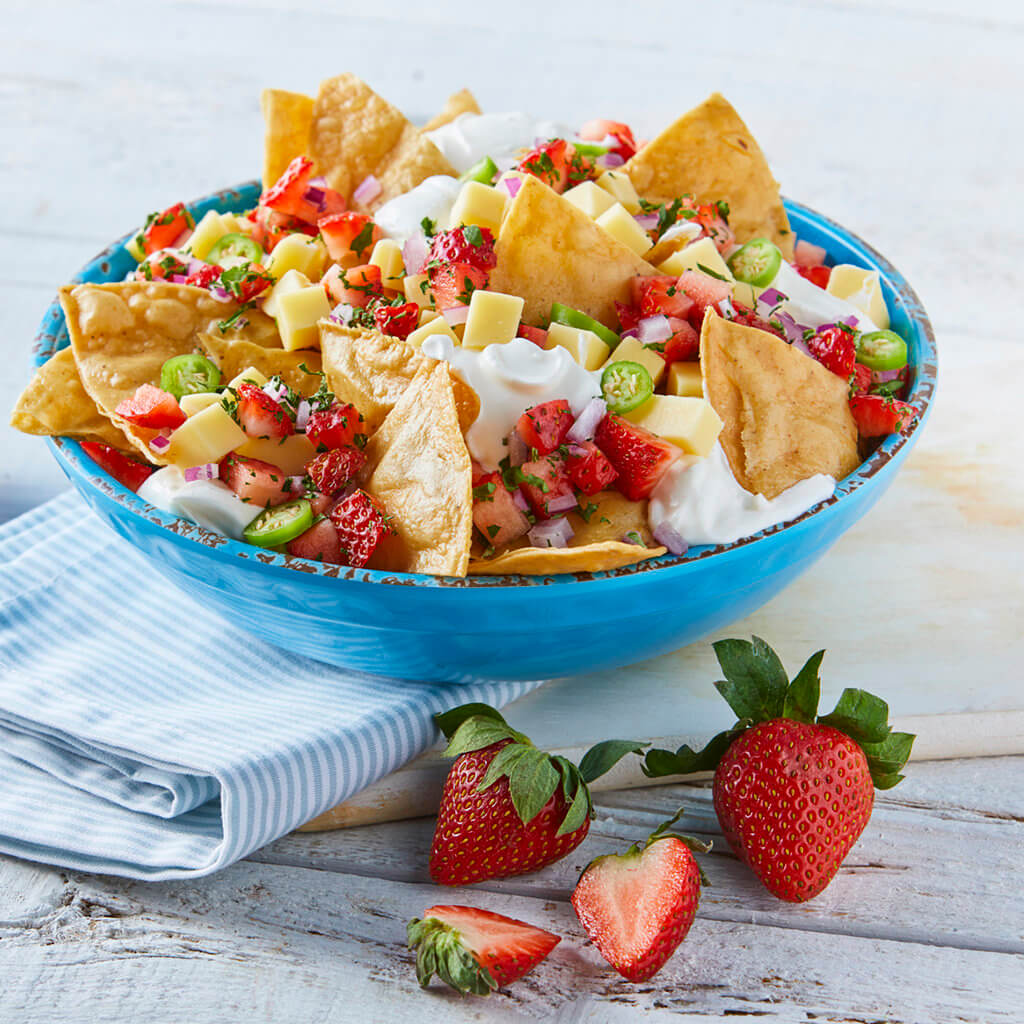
x=901, y=120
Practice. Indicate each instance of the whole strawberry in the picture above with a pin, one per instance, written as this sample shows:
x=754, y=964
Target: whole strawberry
x=793, y=790
x=507, y=807
x=638, y=906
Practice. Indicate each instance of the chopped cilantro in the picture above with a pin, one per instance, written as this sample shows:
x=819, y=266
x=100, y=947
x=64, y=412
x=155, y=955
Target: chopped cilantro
x=711, y=273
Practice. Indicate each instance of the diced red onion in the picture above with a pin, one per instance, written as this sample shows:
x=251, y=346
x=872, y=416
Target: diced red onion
x=552, y=533
x=801, y=346
x=806, y=254
x=318, y=182
x=885, y=376
x=220, y=293
x=520, y=502
x=794, y=331
x=342, y=314
x=179, y=278
x=633, y=538
x=455, y=315
x=368, y=190
x=586, y=423
x=576, y=450
x=668, y=537
x=160, y=443
x=648, y=221
x=315, y=196
x=207, y=471
x=850, y=321
x=653, y=329
x=771, y=297
x=511, y=186
x=562, y=504
x=518, y=449
x=415, y=253
x=302, y=413
x=298, y=487
x=609, y=161
x=275, y=391
x=631, y=333
x=726, y=308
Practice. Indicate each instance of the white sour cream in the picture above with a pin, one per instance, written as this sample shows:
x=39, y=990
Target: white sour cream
x=812, y=306
x=510, y=378
x=433, y=197
x=705, y=504
x=208, y=503
x=471, y=137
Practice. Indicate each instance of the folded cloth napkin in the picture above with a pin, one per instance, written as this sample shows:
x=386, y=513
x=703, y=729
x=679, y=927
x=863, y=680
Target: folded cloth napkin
x=142, y=734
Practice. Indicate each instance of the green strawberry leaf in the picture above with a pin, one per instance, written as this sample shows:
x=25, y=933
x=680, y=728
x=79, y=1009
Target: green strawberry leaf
x=887, y=759
x=686, y=760
x=861, y=715
x=439, y=950
x=579, y=811
x=804, y=692
x=602, y=757
x=531, y=784
x=478, y=732
x=503, y=764
x=755, y=681
x=449, y=721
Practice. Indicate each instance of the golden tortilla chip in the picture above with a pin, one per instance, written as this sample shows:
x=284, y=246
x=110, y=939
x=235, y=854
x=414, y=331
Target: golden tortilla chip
x=56, y=405
x=372, y=371
x=786, y=417
x=237, y=354
x=121, y=335
x=355, y=133
x=711, y=153
x=288, y=117
x=612, y=516
x=597, y=557
x=419, y=468
x=550, y=251
x=461, y=102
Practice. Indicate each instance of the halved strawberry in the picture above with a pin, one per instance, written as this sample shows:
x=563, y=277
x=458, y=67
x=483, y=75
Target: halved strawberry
x=629, y=316
x=684, y=345
x=294, y=195
x=259, y=415
x=162, y=230
x=466, y=244
x=398, y=321
x=474, y=950
x=877, y=415
x=749, y=318
x=716, y=227
x=349, y=236
x=320, y=543
x=662, y=294
x=816, y=275
x=495, y=513
x=453, y=284
x=641, y=458
x=152, y=408
x=205, y=275
x=125, y=471
x=544, y=426
x=588, y=468
x=557, y=164
x=834, y=348
x=621, y=135
x=860, y=379
x=362, y=524
x=333, y=470
x=271, y=226
x=244, y=282
x=545, y=484
x=535, y=334
x=706, y=291
x=339, y=426
x=358, y=286
x=259, y=483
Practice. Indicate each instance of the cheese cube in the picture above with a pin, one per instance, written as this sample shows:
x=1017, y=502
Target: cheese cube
x=250, y=375
x=298, y=313
x=590, y=198
x=703, y=253
x=426, y=315
x=690, y=423
x=191, y=404
x=619, y=223
x=479, y=204
x=298, y=252
x=619, y=186
x=206, y=437
x=209, y=230
x=631, y=350
x=417, y=289
x=292, y=281
x=684, y=379
x=584, y=346
x=493, y=318
x=387, y=254
x=289, y=454
x=437, y=325
x=861, y=288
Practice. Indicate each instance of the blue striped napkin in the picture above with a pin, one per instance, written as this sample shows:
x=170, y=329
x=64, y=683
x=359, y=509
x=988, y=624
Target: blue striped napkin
x=169, y=745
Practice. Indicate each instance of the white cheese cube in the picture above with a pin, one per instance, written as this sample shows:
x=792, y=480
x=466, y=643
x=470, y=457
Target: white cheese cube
x=206, y=437
x=298, y=313
x=479, y=204
x=208, y=231
x=298, y=252
x=387, y=254
x=493, y=318
x=619, y=223
x=191, y=404
x=292, y=281
x=620, y=187
x=590, y=198
x=436, y=325
x=584, y=346
x=690, y=423
x=250, y=375
x=631, y=350
x=684, y=379
x=861, y=288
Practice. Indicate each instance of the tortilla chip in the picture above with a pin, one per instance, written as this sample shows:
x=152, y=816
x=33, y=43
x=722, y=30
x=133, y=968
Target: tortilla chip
x=123, y=333
x=288, y=117
x=550, y=251
x=355, y=133
x=372, y=371
x=786, y=417
x=613, y=516
x=237, y=354
x=56, y=405
x=598, y=557
x=461, y=102
x=419, y=468
x=711, y=153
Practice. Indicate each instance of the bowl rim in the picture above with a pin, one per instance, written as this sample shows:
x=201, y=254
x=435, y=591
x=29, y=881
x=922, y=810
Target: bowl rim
x=881, y=463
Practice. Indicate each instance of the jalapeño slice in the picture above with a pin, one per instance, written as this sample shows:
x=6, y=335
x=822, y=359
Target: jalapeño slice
x=574, y=318
x=483, y=171
x=881, y=350
x=756, y=263
x=280, y=524
x=189, y=375
x=590, y=148
x=625, y=386
x=237, y=245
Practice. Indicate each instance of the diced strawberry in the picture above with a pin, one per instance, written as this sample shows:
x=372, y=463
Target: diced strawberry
x=453, y=284
x=629, y=316
x=535, y=334
x=337, y=427
x=806, y=254
x=161, y=265
x=467, y=244
x=358, y=286
x=162, y=230
x=599, y=130
x=543, y=427
x=557, y=164
x=271, y=226
x=495, y=513
x=397, y=321
x=152, y=408
x=816, y=275
x=860, y=379
x=547, y=487
x=205, y=275
x=706, y=291
x=663, y=295
x=320, y=543
x=127, y=472
x=709, y=217
x=246, y=281
x=320, y=503
x=259, y=415
x=362, y=524
x=349, y=236
x=256, y=482
x=749, y=318
x=332, y=471
x=292, y=194
x=835, y=350
x=877, y=415
x=641, y=458
x=588, y=468
x=684, y=345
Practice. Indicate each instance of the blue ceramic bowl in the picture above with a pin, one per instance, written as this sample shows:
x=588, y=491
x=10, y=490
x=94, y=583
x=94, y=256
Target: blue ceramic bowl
x=499, y=627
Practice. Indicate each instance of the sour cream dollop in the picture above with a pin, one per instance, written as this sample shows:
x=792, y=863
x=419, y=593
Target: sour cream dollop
x=471, y=137
x=208, y=503
x=812, y=306
x=433, y=197
x=705, y=504
x=509, y=379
